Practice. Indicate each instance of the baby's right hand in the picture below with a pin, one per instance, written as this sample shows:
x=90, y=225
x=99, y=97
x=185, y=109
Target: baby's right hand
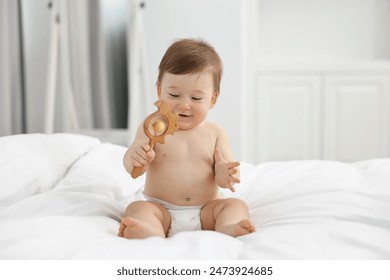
x=142, y=155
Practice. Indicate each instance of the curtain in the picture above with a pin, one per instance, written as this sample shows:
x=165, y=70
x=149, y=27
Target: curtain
x=75, y=64
x=11, y=93
x=140, y=94
x=92, y=64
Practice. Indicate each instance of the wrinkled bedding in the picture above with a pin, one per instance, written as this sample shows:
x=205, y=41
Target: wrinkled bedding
x=62, y=197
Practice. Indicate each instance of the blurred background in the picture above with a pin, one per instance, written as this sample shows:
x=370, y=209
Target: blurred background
x=302, y=79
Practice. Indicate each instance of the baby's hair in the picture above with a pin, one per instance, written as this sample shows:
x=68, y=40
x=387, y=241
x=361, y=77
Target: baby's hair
x=188, y=56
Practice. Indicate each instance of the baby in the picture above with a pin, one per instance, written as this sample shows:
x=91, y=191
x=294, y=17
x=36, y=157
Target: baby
x=184, y=174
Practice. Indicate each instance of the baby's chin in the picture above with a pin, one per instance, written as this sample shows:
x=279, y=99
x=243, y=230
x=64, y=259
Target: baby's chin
x=185, y=123
x=188, y=125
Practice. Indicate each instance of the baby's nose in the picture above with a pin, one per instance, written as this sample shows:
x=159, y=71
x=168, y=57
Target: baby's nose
x=184, y=104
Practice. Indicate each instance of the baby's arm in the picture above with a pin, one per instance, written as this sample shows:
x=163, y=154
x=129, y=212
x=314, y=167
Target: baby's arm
x=139, y=154
x=226, y=170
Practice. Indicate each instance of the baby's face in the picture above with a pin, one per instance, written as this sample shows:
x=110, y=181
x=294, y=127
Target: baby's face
x=191, y=96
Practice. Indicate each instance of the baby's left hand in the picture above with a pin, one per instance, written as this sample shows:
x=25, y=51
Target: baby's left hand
x=225, y=171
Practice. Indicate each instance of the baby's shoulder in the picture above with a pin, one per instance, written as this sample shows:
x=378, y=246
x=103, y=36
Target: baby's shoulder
x=212, y=128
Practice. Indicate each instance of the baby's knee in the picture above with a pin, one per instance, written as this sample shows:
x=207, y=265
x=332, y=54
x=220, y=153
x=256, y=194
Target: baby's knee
x=138, y=204
x=235, y=202
x=141, y=205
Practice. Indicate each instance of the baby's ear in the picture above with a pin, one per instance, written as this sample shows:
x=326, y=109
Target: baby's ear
x=214, y=99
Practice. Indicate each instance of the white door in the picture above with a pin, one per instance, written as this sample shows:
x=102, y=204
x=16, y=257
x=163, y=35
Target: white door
x=287, y=125
x=356, y=123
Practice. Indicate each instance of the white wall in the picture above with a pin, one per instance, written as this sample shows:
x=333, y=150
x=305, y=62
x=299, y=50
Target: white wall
x=323, y=30
x=219, y=22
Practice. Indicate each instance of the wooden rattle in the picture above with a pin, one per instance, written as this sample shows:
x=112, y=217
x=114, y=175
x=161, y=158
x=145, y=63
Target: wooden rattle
x=156, y=126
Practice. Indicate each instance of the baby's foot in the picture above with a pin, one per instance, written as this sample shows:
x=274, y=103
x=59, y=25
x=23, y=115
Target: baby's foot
x=241, y=228
x=135, y=229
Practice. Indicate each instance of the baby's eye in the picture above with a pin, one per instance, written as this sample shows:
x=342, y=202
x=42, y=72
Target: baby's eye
x=196, y=98
x=173, y=95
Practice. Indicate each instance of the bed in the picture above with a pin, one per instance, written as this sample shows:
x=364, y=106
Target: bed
x=62, y=197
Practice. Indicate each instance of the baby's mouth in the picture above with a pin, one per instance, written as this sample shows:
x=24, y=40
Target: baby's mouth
x=183, y=115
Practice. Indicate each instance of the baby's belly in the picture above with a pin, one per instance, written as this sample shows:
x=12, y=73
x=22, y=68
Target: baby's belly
x=183, y=184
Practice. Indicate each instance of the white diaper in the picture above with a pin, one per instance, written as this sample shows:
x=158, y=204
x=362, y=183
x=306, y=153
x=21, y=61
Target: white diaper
x=183, y=218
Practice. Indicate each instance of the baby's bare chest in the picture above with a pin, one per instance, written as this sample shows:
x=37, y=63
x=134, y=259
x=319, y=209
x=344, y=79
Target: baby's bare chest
x=187, y=147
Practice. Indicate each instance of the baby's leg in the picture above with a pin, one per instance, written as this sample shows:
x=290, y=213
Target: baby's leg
x=144, y=219
x=229, y=216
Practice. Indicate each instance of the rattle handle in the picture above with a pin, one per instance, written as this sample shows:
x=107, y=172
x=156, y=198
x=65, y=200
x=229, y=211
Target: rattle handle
x=137, y=171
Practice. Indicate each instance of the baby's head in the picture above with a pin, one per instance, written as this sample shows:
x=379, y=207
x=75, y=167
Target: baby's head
x=189, y=56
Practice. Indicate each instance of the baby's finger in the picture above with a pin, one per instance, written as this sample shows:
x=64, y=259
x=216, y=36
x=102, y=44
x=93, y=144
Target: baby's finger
x=233, y=164
x=140, y=156
x=231, y=188
x=150, y=154
x=136, y=164
x=233, y=171
x=139, y=162
x=145, y=147
x=235, y=180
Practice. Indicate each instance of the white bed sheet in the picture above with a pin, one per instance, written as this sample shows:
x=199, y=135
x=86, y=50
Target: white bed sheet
x=62, y=197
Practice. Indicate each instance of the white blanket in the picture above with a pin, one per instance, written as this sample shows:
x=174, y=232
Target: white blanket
x=62, y=197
